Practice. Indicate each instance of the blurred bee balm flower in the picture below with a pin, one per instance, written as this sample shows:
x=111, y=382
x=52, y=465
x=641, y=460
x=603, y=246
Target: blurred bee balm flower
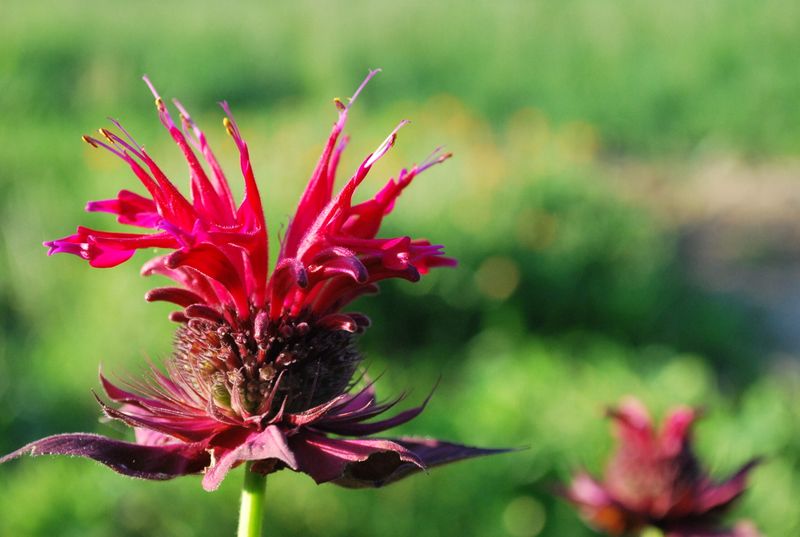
x=655, y=480
x=265, y=364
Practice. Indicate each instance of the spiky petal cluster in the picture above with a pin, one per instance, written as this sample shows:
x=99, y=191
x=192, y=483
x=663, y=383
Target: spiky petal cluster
x=329, y=256
x=264, y=363
x=655, y=479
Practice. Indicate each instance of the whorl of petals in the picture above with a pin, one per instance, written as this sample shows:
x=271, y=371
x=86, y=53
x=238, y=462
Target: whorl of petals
x=329, y=256
x=264, y=363
x=655, y=479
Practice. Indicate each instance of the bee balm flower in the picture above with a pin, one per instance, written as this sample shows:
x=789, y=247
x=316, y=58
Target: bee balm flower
x=655, y=479
x=264, y=363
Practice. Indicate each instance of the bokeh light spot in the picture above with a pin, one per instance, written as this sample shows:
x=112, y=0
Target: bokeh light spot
x=524, y=517
x=498, y=277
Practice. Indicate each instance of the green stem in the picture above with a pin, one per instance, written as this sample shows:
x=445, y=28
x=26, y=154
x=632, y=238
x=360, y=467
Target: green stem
x=251, y=511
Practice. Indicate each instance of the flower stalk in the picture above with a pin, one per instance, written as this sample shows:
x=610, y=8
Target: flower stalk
x=251, y=509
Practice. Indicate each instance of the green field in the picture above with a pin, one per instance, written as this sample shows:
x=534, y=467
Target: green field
x=579, y=128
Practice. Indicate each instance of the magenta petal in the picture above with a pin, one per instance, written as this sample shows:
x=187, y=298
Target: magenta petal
x=354, y=426
x=383, y=469
x=209, y=260
x=122, y=396
x=147, y=437
x=363, y=399
x=586, y=491
x=268, y=444
x=332, y=459
x=146, y=462
x=719, y=496
x=436, y=453
x=110, y=258
x=374, y=462
x=131, y=209
x=677, y=429
x=349, y=266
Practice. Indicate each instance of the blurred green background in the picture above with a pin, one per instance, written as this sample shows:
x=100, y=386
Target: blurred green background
x=622, y=199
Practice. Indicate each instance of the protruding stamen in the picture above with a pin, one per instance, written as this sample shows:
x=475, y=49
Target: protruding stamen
x=433, y=159
x=118, y=125
x=152, y=88
x=371, y=74
x=228, y=126
x=386, y=145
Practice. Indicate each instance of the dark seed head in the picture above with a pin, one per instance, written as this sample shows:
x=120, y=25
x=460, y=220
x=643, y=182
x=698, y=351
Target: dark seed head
x=296, y=362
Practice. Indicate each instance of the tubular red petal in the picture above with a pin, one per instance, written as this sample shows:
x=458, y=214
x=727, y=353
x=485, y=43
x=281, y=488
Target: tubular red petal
x=289, y=273
x=209, y=261
x=84, y=247
x=366, y=218
x=338, y=321
x=178, y=317
x=127, y=241
x=219, y=181
x=176, y=295
x=186, y=276
x=148, y=182
x=251, y=213
x=166, y=194
x=130, y=208
x=201, y=311
x=348, y=266
x=335, y=294
x=335, y=212
x=206, y=196
x=320, y=187
x=104, y=249
x=109, y=258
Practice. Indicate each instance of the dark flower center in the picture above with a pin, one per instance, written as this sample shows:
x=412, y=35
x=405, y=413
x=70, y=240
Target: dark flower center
x=294, y=364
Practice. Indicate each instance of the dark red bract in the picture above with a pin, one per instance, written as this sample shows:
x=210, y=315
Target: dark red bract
x=265, y=364
x=655, y=479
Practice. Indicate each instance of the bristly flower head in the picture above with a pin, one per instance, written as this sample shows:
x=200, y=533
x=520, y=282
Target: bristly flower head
x=654, y=479
x=265, y=365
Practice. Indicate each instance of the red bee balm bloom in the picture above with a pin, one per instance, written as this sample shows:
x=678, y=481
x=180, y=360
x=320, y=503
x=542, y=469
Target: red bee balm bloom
x=264, y=364
x=655, y=479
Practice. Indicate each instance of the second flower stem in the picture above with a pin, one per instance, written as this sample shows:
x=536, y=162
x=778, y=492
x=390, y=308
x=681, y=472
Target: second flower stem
x=251, y=510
